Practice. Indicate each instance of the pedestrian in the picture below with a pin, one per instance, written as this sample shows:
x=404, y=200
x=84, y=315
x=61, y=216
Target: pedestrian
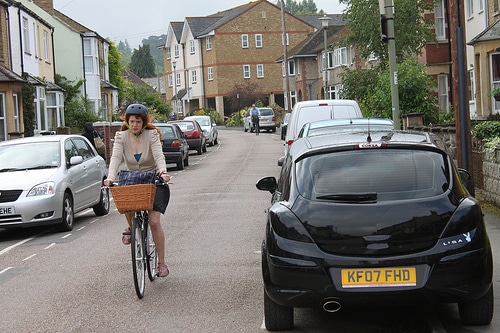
x=95, y=138
x=138, y=144
x=255, y=113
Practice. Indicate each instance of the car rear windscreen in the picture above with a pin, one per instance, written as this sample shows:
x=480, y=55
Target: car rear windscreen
x=379, y=174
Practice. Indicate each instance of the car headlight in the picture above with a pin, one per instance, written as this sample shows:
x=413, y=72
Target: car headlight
x=42, y=189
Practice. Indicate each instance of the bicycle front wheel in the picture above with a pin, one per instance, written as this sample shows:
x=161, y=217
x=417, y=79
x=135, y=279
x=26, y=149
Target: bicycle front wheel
x=152, y=254
x=138, y=257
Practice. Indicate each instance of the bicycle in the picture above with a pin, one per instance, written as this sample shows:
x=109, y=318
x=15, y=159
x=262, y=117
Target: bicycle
x=139, y=199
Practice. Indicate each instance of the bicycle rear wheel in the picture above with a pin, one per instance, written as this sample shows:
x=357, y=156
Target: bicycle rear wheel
x=152, y=254
x=138, y=257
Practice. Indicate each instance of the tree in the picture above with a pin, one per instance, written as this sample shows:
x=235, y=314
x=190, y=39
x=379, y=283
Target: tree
x=77, y=108
x=115, y=69
x=144, y=94
x=412, y=28
x=243, y=94
x=157, y=53
x=372, y=89
x=301, y=8
x=142, y=63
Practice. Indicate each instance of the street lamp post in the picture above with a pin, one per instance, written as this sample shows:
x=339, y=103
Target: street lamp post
x=175, y=88
x=324, y=23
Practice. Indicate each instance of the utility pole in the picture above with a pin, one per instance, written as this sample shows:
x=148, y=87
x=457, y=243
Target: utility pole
x=459, y=84
x=285, y=59
x=387, y=15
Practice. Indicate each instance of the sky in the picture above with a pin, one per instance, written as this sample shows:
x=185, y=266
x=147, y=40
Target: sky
x=134, y=20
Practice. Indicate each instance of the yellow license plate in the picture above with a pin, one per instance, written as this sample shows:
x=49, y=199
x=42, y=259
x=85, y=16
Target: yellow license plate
x=379, y=277
x=263, y=120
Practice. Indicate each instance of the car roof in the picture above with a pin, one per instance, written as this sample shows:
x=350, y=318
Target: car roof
x=367, y=139
x=349, y=121
x=324, y=102
x=40, y=138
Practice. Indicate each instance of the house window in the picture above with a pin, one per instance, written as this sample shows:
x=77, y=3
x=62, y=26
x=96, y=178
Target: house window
x=209, y=43
x=88, y=56
x=170, y=80
x=336, y=91
x=472, y=87
x=176, y=50
x=103, y=110
x=495, y=77
x=260, y=71
x=439, y=19
x=246, y=71
x=191, y=46
x=177, y=79
x=26, y=36
x=481, y=5
x=3, y=126
x=470, y=8
x=339, y=57
x=293, y=97
x=194, y=78
x=351, y=54
x=210, y=71
x=16, y=113
x=169, y=52
x=291, y=68
x=443, y=92
x=244, y=41
x=258, y=40
x=46, y=45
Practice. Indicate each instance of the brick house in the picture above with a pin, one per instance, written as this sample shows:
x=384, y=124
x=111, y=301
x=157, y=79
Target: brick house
x=239, y=45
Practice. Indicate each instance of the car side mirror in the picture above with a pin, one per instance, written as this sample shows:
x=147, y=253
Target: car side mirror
x=281, y=160
x=267, y=184
x=465, y=177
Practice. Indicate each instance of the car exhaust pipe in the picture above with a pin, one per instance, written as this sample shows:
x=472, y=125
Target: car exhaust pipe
x=331, y=305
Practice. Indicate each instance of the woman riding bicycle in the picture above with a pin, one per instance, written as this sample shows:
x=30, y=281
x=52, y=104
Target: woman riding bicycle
x=138, y=143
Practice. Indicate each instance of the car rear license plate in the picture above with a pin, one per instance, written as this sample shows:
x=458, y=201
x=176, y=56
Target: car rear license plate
x=7, y=211
x=263, y=120
x=379, y=277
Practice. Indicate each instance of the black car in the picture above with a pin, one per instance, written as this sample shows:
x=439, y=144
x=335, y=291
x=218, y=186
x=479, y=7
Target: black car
x=175, y=145
x=360, y=218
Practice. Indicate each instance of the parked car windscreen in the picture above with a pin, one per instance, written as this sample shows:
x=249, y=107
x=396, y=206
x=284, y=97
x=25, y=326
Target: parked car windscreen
x=29, y=156
x=378, y=174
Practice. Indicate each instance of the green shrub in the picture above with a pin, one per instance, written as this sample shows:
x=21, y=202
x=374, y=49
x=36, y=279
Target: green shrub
x=487, y=130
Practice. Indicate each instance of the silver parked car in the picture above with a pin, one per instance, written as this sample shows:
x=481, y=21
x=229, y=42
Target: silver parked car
x=329, y=126
x=47, y=179
x=209, y=128
x=267, y=121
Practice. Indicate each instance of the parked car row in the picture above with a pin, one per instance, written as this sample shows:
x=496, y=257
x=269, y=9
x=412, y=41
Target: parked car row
x=365, y=213
x=181, y=136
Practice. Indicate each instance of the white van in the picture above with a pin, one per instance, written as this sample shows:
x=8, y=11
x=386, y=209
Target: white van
x=308, y=111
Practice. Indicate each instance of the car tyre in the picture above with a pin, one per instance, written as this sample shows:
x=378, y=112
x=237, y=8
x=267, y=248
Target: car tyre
x=180, y=164
x=199, y=150
x=479, y=311
x=186, y=160
x=205, y=147
x=216, y=141
x=273, y=129
x=277, y=317
x=102, y=208
x=68, y=214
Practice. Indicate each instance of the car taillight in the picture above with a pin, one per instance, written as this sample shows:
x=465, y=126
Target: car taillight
x=196, y=135
x=274, y=118
x=289, y=143
x=175, y=143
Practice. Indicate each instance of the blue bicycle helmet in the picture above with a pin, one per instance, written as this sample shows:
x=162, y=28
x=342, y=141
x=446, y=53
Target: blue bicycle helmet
x=136, y=109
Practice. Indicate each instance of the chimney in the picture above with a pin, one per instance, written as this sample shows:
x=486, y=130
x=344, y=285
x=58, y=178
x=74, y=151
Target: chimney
x=46, y=5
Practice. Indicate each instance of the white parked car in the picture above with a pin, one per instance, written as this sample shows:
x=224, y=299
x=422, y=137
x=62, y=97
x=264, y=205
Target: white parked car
x=47, y=179
x=315, y=110
x=209, y=128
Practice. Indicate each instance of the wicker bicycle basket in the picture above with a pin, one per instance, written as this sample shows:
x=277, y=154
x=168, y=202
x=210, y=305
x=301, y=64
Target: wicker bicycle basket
x=132, y=198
